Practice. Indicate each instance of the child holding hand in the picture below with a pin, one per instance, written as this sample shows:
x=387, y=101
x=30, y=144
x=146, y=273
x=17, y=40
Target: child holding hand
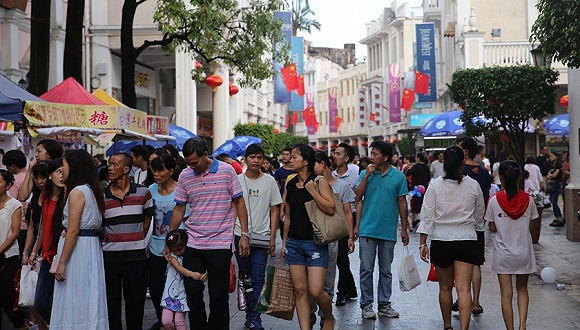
x=174, y=300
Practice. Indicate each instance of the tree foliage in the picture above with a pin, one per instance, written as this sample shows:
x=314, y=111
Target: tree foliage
x=301, y=20
x=221, y=30
x=557, y=28
x=507, y=97
x=406, y=145
x=273, y=143
x=216, y=31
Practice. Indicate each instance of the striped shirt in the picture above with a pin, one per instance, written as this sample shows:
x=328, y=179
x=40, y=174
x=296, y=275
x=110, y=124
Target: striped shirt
x=210, y=196
x=124, y=223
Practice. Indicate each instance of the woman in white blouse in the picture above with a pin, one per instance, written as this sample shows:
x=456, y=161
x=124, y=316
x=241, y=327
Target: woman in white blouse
x=452, y=211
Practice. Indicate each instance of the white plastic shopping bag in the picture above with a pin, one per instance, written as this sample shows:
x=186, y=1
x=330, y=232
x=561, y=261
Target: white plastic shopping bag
x=28, y=278
x=408, y=273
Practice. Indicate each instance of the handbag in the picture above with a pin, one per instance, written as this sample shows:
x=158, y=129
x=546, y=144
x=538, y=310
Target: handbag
x=28, y=279
x=277, y=296
x=245, y=290
x=232, y=285
x=552, y=187
x=256, y=240
x=408, y=272
x=327, y=228
x=432, y=276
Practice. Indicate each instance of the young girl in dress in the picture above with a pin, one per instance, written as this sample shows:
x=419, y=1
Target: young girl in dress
x=509, y=213
x=174, y=301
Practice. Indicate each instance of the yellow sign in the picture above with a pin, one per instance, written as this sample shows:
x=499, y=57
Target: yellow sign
x=57, y=114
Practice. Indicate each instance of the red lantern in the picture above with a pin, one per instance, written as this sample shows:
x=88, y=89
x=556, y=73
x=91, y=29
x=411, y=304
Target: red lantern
x=233, y=89
x=321, y=147
x=388, y=140
x=395, y=140
x=214, y=82
x=564, y=101
x=276, y=130
x=365, y=143
x=198, y=65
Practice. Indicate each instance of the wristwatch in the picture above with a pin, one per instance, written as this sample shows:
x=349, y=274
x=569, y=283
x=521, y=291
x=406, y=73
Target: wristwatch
x=245, y=233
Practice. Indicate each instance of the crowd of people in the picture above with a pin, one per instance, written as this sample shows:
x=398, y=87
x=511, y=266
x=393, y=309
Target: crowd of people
x=159, y=223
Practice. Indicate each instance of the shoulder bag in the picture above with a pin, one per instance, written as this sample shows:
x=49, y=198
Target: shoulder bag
x=327, y=228
x=256, y=240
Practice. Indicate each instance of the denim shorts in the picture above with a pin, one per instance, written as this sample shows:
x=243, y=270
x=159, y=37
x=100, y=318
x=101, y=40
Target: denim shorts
x=306, y=252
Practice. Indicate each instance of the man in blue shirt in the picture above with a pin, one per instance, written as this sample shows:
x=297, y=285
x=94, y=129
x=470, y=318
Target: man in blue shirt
x=384, y=189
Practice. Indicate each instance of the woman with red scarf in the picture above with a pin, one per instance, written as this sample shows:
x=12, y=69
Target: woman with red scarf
x=509, y=213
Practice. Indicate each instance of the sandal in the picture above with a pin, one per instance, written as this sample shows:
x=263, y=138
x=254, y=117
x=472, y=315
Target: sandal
x=448, y=328
x=477, y=311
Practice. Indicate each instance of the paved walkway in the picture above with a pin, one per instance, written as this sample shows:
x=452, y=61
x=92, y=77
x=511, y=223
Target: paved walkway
x=549, y=308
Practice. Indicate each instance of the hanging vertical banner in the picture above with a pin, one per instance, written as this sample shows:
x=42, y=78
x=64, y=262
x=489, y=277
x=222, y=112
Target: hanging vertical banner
x=310, y=105
x=281, y=95
x=426, y=58
x=332, y=110
x=377, y=104
x=298, y=58
x=394, y=93
x=362, y=108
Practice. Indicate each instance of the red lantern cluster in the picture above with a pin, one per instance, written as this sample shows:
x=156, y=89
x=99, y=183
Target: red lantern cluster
x=214, y=82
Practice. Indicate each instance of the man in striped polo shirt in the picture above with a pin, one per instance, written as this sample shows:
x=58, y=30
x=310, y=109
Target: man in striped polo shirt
x=128, y=211
x=213, y=192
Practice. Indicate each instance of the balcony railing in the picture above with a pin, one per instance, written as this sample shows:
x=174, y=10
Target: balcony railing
x=506, y=53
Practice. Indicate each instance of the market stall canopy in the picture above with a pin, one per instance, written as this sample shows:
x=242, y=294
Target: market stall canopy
x=106, y=98
x=71, y=92
x=558, y=125
x=12, y=98
x=237, y=146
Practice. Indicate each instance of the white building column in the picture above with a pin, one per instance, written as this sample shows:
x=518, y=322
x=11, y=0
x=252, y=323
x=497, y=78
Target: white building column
x=473, y=49
x=571, y=197
x=57, y=35
x=185, y=92
x=221, y=111
x=10, y=44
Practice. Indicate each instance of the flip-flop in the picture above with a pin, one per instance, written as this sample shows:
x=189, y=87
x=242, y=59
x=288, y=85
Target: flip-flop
x=477, y=311
x=448, y=328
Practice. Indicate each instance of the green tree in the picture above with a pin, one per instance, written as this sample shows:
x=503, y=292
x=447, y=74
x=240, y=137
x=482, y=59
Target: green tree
x=273, y=143
x=213, y=31
x=557, y=28
x=301, y=20
x=508, y=97
x=406, y=145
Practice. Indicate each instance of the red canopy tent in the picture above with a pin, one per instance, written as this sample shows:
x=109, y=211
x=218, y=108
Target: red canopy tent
x=71, y=92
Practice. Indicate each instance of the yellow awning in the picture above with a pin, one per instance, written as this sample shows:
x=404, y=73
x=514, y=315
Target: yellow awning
x=108, y=99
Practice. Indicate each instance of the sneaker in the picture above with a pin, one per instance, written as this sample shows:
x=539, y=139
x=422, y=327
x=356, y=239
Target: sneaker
x=254, y=324
x=455, y=306
x=340, y=301
x=388, y=311
x=368, y=313
x=312, y=320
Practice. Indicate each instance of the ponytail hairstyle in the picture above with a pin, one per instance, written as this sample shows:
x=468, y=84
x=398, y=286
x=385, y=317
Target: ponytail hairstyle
x=176, y=239
x=509, y=171
x=453, y=163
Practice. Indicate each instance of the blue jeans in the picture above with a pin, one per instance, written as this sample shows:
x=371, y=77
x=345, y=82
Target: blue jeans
x=368, y=250
x=255, y=264
x=554, y=200
x=44, y=291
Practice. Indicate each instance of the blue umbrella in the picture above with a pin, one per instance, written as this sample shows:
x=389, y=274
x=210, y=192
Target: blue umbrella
x=124, y=146
x=446, y=124
x=237, y=146
x=180, y=134
x=558, y=125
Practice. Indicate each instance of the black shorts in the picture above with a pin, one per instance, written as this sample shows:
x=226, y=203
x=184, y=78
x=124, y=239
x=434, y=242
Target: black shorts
x=480, y=255
x=443, y=253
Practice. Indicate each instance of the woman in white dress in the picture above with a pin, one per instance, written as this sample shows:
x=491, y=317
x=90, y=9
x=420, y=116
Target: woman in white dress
x=509, y=213
x=79, y=292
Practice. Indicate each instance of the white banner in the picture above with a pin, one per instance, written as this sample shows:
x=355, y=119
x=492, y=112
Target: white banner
x=362, y=108
x=377, y=104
